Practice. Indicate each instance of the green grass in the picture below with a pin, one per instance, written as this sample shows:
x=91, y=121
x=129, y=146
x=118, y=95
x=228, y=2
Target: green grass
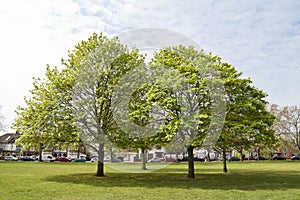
x=248, y=180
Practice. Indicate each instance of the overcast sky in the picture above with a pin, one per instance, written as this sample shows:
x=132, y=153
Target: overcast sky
x=260, y=38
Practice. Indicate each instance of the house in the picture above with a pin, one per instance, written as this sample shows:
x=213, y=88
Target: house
x=8, y=146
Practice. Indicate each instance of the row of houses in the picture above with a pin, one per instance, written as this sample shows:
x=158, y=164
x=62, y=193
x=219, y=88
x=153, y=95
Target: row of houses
x=8, y=147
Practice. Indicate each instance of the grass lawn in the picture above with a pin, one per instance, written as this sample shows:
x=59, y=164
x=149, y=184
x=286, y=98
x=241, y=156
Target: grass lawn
x=248, y=180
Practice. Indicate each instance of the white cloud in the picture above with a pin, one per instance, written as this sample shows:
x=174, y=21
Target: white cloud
x=261, y=38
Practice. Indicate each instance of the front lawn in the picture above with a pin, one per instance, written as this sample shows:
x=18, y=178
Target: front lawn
x=248, y=180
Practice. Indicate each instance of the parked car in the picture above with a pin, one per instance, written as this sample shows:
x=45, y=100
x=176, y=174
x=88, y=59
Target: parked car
x=182, y=159
x=116, y=160
x=169, y=159
x=156, y=159
x=10, y=158
x=49, y=158
x=34, y=157
x=295, y=157
x=94, y=159
x=277, y=157
x=27, y=158
x=260, y=158
x=199, y=159
x=64, y=159
x=232, y=158
x=111, y=160
x=81, y=159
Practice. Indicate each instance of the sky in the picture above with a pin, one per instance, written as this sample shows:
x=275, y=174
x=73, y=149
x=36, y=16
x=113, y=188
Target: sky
x=261, y=38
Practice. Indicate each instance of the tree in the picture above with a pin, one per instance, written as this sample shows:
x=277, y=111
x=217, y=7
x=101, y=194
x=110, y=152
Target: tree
x=76, y=101
x=199, y=95
x=287, y=123
x=152, y=117
x=247, y=122
x=2, y=125
x=104, y=93
x=95, y=66
x=45, y=122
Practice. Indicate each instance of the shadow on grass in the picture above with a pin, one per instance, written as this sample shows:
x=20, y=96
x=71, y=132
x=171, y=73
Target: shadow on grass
x=176, y=178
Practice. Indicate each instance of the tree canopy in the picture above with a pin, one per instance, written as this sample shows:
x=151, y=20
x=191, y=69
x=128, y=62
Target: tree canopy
x=287, y=123
x=76, y=101
x=247, y=121
x=45, y=121
x=105, y=93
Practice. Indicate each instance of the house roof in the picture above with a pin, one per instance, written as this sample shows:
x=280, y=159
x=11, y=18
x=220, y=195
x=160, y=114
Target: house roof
x=9, y=138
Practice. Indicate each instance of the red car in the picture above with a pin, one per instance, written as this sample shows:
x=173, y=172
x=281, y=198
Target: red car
x=64, y=159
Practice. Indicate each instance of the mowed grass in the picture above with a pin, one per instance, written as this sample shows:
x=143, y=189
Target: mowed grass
x=248, y=180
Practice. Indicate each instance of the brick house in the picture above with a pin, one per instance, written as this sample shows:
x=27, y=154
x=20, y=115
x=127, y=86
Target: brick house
x=8, y=146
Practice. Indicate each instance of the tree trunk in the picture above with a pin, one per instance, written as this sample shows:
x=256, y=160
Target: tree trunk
x=208, y=157
x=241, y=155
x=78, y=152
x=224, y=161
x=176, y=157
x=67, y=152
x=100, y=166
x=144, y=159
x=100, y=169
x=40, y=153
x=191, y=173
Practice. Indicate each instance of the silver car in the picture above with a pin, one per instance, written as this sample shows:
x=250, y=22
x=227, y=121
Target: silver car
x=10, y=158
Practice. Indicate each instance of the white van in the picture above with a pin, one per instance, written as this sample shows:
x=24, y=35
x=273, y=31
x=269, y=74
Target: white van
x=48, y=158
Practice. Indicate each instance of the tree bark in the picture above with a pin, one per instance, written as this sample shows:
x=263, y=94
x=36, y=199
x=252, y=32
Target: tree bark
x=144, y=159
x=176, y=157
x=208, y=157
x=40, y=153
x=224, y=161
x=100, y=166
x=241, y=155
x=191, y=173
x=78, y=152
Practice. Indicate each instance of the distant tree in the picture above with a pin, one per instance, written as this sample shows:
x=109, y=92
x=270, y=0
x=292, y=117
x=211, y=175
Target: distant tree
x=247, y=123
x=154, y=127
x=44, y=121
x=2, y=123
x=287, y=123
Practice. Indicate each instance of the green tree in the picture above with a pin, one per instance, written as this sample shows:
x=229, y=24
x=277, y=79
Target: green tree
x=95, y=66
x=30, y=121
x=287, y=123
x=45, y=122
x=196, y=97
x=76, y=101
x=247, y=122
x=153, y=112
